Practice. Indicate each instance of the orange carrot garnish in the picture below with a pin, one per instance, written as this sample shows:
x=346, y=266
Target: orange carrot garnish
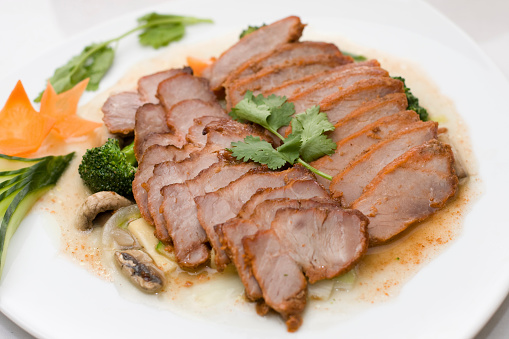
x=23, y=129
x=198, y=65
x=63, y=108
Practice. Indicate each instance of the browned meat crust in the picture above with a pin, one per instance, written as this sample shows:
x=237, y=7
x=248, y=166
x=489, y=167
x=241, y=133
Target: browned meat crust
x=261, y=41
x=119, y=112
x=284, y=54
x=183, y=87
x=294, y=87
x=408, y=190
x=350, y=183
x=357, y=144
x=368, y=113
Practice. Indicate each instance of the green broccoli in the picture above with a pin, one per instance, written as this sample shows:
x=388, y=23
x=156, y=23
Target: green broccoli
x=109, y=168
x=249, y=30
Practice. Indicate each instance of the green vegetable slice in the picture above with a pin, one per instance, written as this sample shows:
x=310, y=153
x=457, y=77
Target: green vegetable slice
x=25, y=187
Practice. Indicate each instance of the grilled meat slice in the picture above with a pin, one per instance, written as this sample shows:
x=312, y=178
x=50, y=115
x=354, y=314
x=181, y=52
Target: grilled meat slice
x=350, y=183
x=408, y=190
x=120, y=109
x=218, y=207
x=180, y=214
x=335, y=83
x=183, y=87
x=221, y=134
x=291, y=88
x=180, y=117
x=367, y=114
x=279, y=74
x=284, y=54
x=119, y=112
x=281, y=280
x=261, y=41
x=357, y=144
x=339, y=105
x=147, y=85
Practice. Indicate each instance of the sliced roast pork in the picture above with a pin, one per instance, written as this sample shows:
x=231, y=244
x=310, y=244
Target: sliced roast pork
x=277, y=75
x=119, y=112
x=281, y=280
x=155, y=154
x=120, y=109
x=368, y=113
x=180, y=214
x=338, y=106
x=222, y=134
x=294, y=87
x=261, y=41
x=334, y=84
x=408, y=190
x=147, y=85
x=151, y=129
x=218, y=207
x=180, y=117
x=357, y=144
x=234, y=230
x=323, y=241
x=284, y=54
x=350, y=183
x=183, y=87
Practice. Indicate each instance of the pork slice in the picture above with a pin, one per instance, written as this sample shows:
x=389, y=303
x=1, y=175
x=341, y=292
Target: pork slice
x=284, y=54
x=298, y=189
x=335, y=83
x=217, y=207
x=147, y=85
x=359, y=143
x=325, y=241
x=339, y=105
x=221, y=134
x=183, y=87
x=151, y=121
x=234, y=230
x=155, y=154
x=277, y=75
x=408, y=190
x=181, y=116
x=180, y=214
x=367, y=114
x=119, y=112
x=283, y=285
x=350, y=183
x=294, y=87
x=195, y=134
x=263, y=40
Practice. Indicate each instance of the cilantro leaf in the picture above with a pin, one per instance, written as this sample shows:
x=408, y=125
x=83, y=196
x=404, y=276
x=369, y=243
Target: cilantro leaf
x=270, y=112
x=260, y=151
x=355, y=57
x=307, y=140
x=413, y=102
x=96, y=59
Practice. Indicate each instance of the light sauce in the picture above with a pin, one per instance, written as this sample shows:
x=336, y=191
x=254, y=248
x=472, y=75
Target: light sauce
x=381, y=273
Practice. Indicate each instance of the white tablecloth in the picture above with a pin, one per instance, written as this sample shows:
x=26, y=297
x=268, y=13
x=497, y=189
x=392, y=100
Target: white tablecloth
x=31, y=27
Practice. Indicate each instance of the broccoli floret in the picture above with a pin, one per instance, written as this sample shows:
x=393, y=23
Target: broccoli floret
x=249, y=30
x=109, y=168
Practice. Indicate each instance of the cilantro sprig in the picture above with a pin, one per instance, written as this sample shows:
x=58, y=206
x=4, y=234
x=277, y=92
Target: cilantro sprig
x=306, y=143
x=95, y=60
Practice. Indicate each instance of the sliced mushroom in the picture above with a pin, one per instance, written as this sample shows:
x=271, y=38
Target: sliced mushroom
x=98, y=203
x=139, y=267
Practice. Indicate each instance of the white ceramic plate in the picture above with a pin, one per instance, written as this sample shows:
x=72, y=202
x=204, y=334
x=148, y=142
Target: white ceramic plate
x=452, y=297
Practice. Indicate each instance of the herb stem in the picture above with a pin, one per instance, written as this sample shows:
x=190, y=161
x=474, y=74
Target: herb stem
x=314, y=170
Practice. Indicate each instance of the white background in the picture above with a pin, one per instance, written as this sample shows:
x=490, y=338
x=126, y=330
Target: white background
x=29, y=28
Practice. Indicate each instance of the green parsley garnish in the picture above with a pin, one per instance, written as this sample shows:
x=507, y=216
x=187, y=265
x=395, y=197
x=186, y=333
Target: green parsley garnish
x=413, y=102
x=95, y=60
x=306, y=143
